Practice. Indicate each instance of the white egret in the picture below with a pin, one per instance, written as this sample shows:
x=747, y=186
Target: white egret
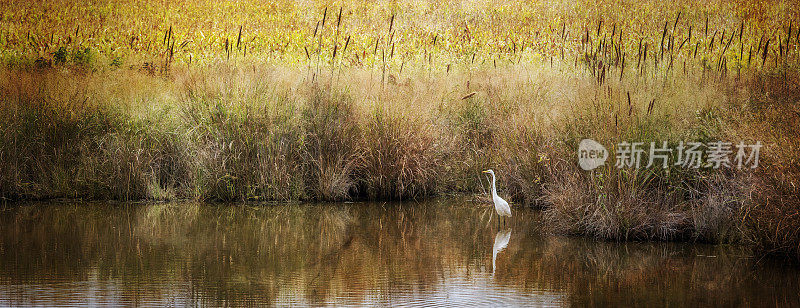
x=500, y=205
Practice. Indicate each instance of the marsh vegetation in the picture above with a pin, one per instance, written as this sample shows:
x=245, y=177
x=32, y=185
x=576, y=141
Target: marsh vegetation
x=351, y=101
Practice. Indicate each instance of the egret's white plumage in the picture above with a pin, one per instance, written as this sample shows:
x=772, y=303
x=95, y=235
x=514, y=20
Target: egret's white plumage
x=500, y=205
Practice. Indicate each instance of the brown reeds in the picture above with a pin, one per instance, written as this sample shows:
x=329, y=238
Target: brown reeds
x=240, y=129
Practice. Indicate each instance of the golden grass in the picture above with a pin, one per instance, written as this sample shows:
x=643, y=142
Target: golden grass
x=402, y=36
x=248, y=102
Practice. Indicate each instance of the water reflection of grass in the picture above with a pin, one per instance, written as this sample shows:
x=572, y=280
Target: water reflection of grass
x=345, y=254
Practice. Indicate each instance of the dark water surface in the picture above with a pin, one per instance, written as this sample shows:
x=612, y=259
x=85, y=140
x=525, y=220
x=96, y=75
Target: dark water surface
x=438, y=253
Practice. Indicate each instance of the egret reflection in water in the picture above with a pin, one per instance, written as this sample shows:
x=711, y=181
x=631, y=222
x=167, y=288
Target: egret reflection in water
x=500, y=243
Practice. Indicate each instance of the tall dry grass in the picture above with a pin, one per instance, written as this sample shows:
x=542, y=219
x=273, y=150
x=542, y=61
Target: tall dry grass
x=425, y=121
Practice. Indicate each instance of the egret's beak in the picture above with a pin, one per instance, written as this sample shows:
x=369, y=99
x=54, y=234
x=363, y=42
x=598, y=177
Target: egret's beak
x=485, y=171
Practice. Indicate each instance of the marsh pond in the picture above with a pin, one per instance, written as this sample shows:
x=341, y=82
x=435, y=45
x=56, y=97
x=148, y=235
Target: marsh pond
x=434, y=253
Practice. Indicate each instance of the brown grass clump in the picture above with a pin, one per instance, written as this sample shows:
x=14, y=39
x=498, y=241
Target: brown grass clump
x=330, y=145
x=771, y=217
x=400, y=157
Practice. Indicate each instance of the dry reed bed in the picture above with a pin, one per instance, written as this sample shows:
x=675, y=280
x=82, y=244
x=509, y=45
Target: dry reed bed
x=266, y=133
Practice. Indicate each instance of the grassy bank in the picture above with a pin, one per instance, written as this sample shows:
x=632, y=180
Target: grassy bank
x=258, y=133
x=373, y=102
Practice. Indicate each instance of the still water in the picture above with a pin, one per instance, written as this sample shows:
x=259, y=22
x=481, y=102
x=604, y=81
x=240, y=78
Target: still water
x=438, y=253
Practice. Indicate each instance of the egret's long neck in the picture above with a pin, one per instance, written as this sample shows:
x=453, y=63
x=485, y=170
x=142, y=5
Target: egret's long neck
x=494, y=189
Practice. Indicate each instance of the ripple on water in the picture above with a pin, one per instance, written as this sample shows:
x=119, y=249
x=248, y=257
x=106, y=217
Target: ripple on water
x=438, y=254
